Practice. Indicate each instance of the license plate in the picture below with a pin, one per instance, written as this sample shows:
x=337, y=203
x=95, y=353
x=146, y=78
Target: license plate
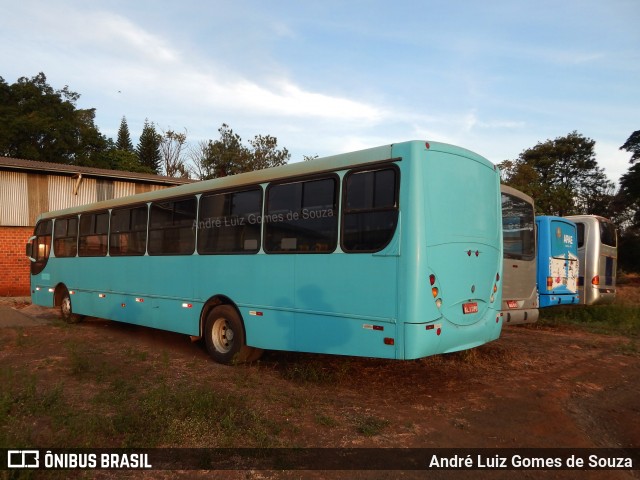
x=512, y=304
x=470, y=308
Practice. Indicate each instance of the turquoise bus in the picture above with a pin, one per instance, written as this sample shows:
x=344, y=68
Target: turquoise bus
x=557, y=270
x=519, y=286
x=390, y=252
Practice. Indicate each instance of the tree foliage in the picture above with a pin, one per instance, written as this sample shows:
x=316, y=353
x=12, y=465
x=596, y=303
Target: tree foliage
x=629, y=200
x=229, y=156
x=148, y=148
x=630, y=181
x=172, y=153
x=563, y=177
x=632, y=145
x=40, y=123
x=124, y=138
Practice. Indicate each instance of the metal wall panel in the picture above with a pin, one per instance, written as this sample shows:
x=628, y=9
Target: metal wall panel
x=14, y=204
x=104, y=189
x=61, y=192
x=24, y=196
x=123, y=189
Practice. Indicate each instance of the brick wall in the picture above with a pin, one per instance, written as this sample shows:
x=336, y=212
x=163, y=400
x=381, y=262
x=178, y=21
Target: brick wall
x=14, y=265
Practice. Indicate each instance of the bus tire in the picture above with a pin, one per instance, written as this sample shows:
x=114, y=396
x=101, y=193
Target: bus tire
x=66, y=310
x=224, y=336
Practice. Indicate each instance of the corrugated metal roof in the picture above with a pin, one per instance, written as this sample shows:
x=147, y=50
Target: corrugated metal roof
x=50, y=167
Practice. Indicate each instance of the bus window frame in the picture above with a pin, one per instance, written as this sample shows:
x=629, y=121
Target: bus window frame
x=344, y=211
x=80, y=235
x=111, y=232
x=66, y=236
x=194, y=226
x=242, y=189
x=332, y=175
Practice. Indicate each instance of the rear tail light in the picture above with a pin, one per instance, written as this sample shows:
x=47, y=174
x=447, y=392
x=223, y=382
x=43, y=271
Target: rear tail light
x=595, y=280
x=495, y=288
x=549, y=283
x=435, y=291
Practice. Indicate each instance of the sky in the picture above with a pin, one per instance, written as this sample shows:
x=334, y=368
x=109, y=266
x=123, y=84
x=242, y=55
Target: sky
x=327, y=77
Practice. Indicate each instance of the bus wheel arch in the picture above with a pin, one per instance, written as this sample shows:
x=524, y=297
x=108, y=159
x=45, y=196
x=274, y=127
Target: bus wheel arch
x=224, y=332
x=62, y=299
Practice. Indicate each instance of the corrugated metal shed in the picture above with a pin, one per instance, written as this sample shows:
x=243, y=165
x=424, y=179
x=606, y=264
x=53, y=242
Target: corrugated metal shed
x=14, y=204
x=29, y=188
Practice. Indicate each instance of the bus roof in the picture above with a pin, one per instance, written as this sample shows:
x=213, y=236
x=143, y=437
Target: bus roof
x=292, y=170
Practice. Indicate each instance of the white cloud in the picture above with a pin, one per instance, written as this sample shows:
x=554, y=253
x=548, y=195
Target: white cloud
x=614, y=161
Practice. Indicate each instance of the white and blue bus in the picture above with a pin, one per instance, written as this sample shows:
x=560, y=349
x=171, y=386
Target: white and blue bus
x=519, y=287
x=391, y=252
x=557, y=270
x=598, y=257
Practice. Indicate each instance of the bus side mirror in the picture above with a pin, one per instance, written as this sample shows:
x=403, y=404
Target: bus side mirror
x=30, y=249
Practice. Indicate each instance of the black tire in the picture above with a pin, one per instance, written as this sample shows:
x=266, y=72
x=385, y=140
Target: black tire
x=224, y=337
x=66, y=309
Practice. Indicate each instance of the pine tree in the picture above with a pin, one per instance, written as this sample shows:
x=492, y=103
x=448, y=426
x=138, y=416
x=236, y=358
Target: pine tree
x=124, y=139
x=148, y=149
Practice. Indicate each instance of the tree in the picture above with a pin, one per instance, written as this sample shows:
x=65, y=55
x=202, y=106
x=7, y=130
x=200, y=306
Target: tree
x=124, y=139
x=630, y=181
x=265, y=153
x=633, y=145
x=148, y=148
x=228, y=156
x=172, y=153
x=629, y=198
x=562, y=176
x=40, y=123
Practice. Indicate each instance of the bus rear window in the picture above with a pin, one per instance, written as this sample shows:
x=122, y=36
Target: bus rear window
x=172, y=227
x=230, y=222
x=518, y=228
x=302, y=217
x=608, y=233
x=370, y=211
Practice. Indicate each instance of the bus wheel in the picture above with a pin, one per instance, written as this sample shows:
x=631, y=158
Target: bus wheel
x=224, y=336
x=66, y=311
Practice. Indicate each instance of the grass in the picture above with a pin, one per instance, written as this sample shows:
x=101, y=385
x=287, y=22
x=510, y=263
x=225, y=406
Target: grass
x=606, y=319
x=125, y=409
x=369, y=425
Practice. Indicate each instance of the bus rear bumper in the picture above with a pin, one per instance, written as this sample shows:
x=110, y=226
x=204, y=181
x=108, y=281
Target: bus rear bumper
x=519, y=317
x=424, y=339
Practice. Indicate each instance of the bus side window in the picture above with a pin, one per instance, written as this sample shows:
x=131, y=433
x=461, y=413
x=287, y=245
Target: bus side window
x=128, y=231
x=580, y=234
x=41, y=246
x=370, y=209
x=230, y=222
x=172, y=227
x=302, y=217
x=93, y=234
x=65, y=238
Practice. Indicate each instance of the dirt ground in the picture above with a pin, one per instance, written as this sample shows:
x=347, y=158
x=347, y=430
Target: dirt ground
x=534, y=387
